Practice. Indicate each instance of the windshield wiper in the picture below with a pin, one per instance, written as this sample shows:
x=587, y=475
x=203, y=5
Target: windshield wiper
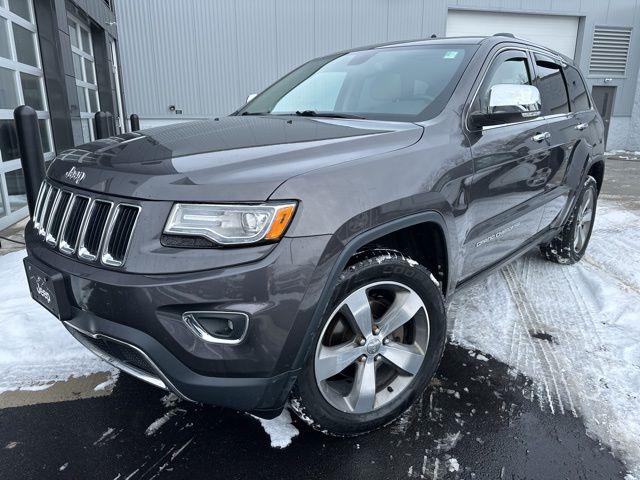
x=313, y=113
x=254, y=113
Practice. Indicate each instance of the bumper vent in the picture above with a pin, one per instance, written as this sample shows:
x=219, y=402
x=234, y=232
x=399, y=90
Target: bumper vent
x=90, y=228
x=121, y=355
x=121, y=352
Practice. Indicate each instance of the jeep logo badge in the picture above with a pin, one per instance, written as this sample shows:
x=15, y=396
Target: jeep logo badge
x=75, y=176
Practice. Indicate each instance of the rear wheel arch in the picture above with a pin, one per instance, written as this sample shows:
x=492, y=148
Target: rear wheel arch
x=596, y=170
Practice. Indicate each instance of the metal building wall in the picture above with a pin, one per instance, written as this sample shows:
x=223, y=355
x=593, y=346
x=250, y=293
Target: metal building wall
x=206, y=56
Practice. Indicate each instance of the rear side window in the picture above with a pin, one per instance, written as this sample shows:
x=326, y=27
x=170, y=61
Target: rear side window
x=508, y=68
x=553, y=90
x=577, y=90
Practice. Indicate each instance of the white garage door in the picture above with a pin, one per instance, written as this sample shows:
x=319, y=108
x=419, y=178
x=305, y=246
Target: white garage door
x=556, y=32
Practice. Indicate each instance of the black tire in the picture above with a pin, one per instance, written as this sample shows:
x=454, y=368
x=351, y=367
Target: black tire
x=308, y=401
x=563, y=248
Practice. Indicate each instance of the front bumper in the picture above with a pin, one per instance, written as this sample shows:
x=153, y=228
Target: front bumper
x=143, y=357
x=135, y=322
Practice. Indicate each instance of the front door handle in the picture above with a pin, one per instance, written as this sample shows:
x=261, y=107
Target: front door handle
x=581, y=126
x=539, y=137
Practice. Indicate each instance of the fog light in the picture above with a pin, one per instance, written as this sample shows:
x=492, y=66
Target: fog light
x=218, y=327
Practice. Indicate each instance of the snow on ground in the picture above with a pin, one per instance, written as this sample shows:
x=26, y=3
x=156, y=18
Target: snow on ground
x=159, y=423
x=281, y=430
x=574, y=329
x=35, y=349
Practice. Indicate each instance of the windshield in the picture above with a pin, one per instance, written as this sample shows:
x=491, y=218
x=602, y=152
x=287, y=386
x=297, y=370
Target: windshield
x=397, y=83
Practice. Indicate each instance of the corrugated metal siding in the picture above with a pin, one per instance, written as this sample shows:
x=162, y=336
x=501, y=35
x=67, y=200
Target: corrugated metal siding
x=206, y=56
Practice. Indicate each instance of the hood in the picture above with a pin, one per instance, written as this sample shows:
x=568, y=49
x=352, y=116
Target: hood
x=228, y=159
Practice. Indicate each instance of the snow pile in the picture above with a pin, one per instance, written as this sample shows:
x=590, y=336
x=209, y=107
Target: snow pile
x=453, y=465
x=280, y=429
x=35, y=349
x=574, y=329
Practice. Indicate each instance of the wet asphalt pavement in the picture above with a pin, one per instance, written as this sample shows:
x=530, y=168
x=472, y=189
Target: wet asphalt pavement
x=477, y=416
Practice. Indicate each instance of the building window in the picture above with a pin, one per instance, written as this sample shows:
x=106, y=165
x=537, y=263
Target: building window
x=85, y=72
x=21, y=83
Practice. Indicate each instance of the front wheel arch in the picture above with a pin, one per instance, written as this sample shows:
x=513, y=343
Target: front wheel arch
x=355, y=244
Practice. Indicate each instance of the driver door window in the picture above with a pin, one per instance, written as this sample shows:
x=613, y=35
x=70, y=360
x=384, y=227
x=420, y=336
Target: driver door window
x=508, y=68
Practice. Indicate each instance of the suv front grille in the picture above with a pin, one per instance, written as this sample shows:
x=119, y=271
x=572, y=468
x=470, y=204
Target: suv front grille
x=90, y=228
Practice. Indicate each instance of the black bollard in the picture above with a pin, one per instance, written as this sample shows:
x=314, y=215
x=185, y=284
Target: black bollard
x=135, y=122
x=31, y=156
x=102, y=125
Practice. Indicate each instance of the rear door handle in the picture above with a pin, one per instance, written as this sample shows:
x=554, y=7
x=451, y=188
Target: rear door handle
x=581, y=126
x=539, y=137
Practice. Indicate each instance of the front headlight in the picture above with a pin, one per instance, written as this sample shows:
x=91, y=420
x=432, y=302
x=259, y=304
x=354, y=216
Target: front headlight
x=230, y=224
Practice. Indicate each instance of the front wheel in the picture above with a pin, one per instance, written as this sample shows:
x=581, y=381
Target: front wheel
x=571, y=244
x=380, y=343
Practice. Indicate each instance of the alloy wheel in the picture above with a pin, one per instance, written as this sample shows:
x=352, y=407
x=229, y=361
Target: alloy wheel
x=584, y=220
x=372, y=347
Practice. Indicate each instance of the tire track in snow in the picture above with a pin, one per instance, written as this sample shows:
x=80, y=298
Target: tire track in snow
x=547, y=356
x=603, y=268
x=540, y=328
x=561, y=281
x=587, y=314
x=544, y=387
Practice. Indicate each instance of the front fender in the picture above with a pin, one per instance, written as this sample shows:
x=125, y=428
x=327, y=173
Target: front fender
x=333, y=261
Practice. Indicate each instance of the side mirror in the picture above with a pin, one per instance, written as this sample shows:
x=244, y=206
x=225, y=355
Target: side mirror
x=508, y=104
x=251, y=97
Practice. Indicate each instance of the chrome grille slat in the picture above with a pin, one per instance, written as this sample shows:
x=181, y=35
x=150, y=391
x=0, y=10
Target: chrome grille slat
x=71, y=230
x=52, y=215
x=43, y=207
x=94, y=229
x=48, y=207
x=119, y=234
x=57, y=216
x=89, y=228
x=41, y=196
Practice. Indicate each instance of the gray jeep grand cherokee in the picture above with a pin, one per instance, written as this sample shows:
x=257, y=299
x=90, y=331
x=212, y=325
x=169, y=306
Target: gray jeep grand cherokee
x=303, y=247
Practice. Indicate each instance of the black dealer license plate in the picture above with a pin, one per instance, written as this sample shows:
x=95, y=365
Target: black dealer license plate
x=47, y=288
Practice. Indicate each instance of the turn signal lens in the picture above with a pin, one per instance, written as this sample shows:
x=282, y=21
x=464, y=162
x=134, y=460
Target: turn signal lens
x=281, y=220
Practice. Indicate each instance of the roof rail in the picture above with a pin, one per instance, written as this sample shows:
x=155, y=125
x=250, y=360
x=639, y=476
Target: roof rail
x=504, y=34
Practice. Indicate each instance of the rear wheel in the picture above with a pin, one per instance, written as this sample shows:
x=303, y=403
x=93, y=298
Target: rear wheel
x=571, y=244
x=379, y=346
